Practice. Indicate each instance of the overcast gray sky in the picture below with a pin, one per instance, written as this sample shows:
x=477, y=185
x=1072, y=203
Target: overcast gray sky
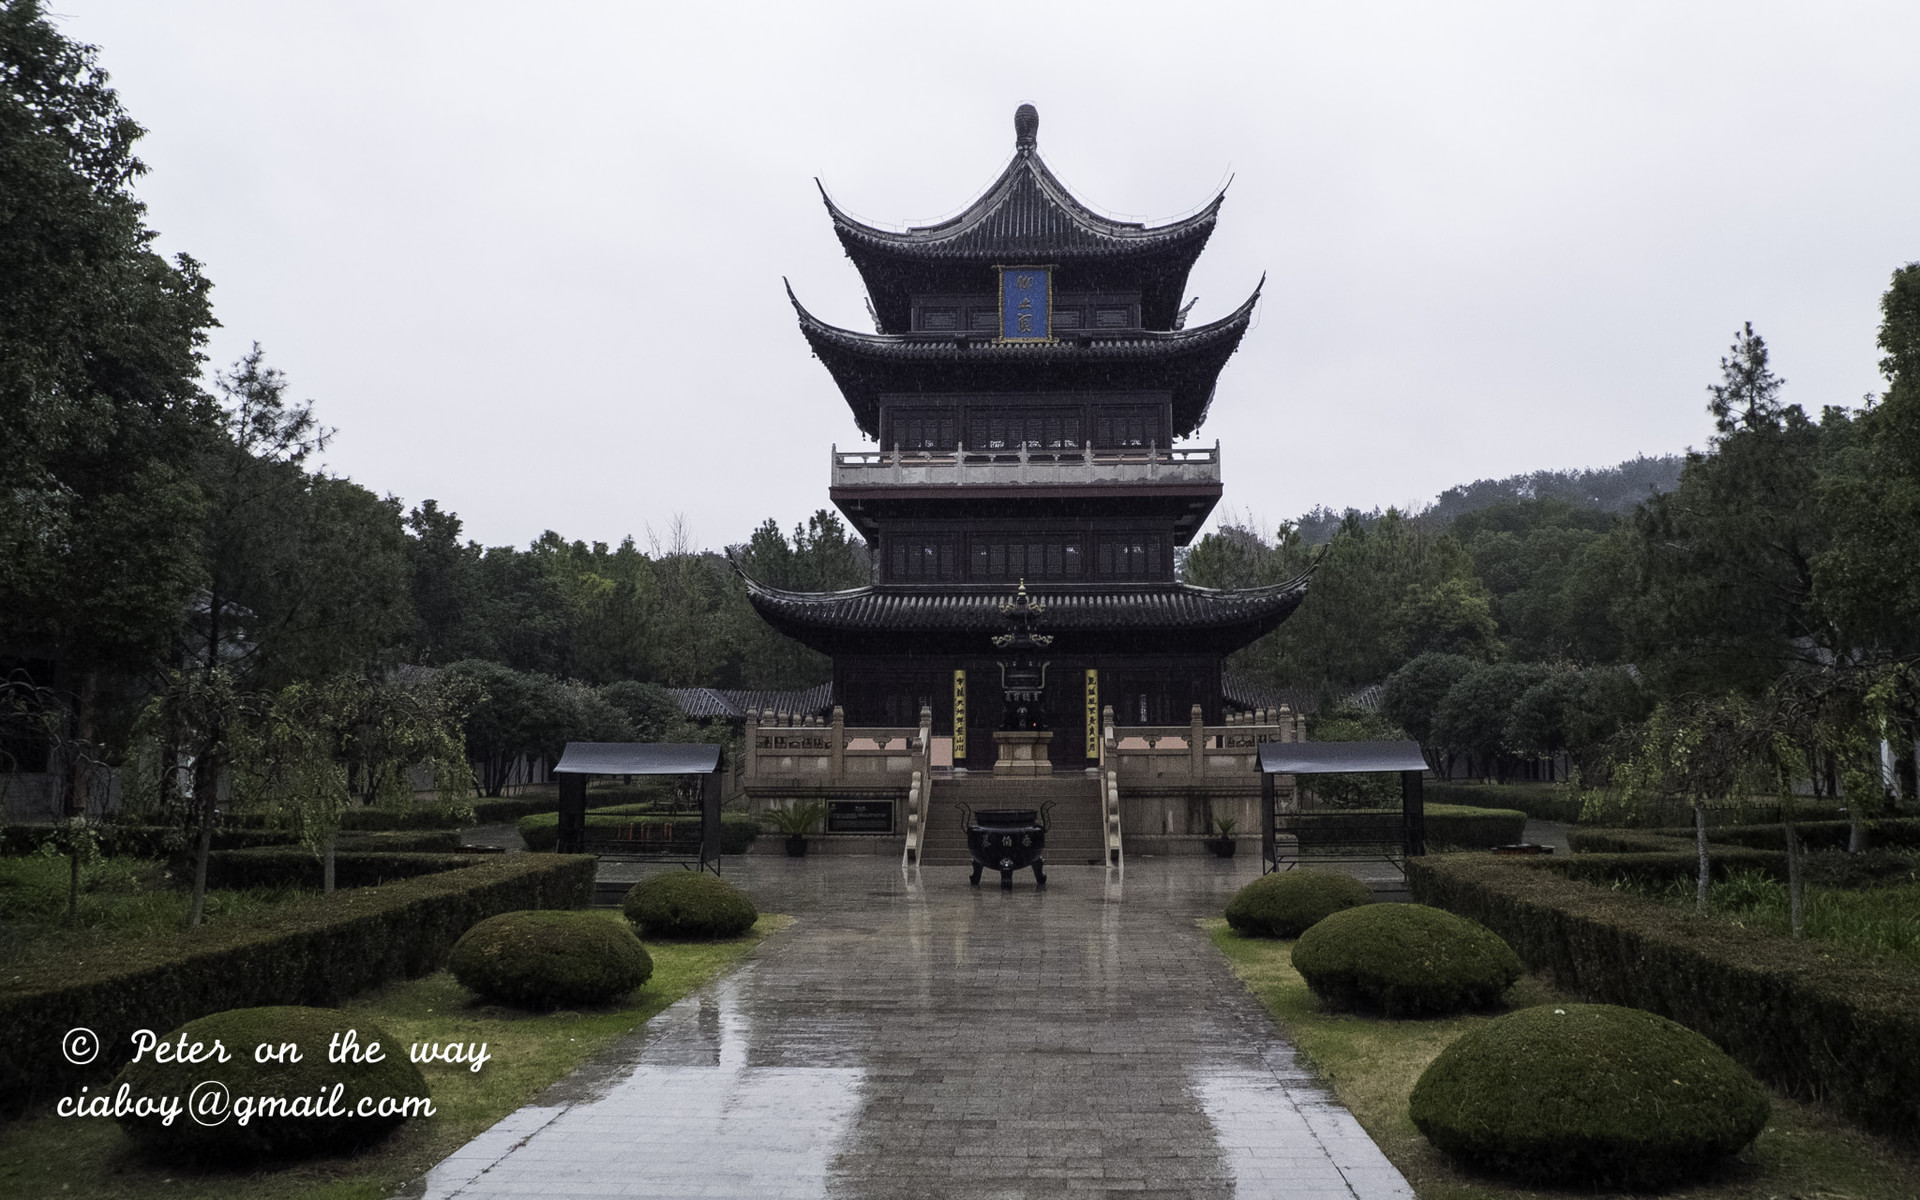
x=527, y=257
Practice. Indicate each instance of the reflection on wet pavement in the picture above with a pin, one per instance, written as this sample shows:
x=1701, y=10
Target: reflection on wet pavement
x=913, y=1037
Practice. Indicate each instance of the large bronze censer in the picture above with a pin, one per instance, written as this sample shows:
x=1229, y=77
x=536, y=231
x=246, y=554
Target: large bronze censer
x=1008, y=840
x=1011, y=839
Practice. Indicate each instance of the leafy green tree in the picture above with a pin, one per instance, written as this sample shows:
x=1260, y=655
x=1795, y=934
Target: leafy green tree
x=1725, y=562
x=1869, y=576
x=1450, y=617
x=1371, y=584
x=449, y=605
x=1535, y=557
x=1701, y=751
x=1413, y=694
x=306, y=573
x=1474, y=716
x=649, y=710
x=101, y=412
x=504, y=721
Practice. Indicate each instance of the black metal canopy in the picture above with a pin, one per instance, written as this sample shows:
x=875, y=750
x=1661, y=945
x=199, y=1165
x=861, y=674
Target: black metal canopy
x=581, y=759
x=638, y=758
x=1333, y=758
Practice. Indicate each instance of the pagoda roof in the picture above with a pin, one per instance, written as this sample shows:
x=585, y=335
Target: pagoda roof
x=1186, y=362
x=1027, y=215
x=1172, y=616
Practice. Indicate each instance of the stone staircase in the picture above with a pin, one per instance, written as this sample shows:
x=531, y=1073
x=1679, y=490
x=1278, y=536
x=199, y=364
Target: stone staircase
x=1074, y=836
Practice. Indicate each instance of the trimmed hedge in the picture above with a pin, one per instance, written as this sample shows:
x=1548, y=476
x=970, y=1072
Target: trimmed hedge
x=311, y=952
x=1404, y=960
x=1286, y=904
x=279, y=1135
x=1811, y=1021
x=547, y=959
x=1588, y=1094
x=1814, y=835
x=502, y=810
x=689, y=904
x=144, y=841
x=371, y=819
x=1542, y=802
x=541, y=831
x=275, y=866
x=1469, y=828
x=1608, y=856
x=400, y=841
x=1628, y=841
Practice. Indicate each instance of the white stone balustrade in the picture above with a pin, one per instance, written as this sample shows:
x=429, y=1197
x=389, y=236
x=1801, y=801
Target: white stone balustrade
x=1002, y=468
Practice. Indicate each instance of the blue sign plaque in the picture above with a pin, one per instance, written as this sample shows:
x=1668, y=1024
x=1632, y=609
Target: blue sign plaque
x=1026, y=304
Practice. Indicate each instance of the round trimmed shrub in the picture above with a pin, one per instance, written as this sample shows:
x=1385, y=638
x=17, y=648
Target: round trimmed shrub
x=271, y=1134
x=550, y=958
x=690, y=905
x=1286, y=904
x=1588, y=1094
x=1405, y=960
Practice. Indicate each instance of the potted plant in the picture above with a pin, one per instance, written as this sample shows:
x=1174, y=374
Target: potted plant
x=1224, y=845
x=796, y=821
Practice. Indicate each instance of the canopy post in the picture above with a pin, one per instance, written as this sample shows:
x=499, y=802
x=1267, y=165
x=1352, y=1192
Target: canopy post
x=1413, y=805
x=1269, y=858
x=710, y=821
x=573, y=813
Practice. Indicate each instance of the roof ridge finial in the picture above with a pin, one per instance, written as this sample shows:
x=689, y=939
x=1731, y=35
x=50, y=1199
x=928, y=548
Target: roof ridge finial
x=1026, y=124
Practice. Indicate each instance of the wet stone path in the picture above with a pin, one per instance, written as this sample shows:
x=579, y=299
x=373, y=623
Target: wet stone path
x=913, y=1037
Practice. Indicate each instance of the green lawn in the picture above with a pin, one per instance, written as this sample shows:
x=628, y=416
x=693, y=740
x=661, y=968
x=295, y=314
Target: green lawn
x=50, y=1156
x=1372, y=1065
x=1881, y=920
x=121, y=899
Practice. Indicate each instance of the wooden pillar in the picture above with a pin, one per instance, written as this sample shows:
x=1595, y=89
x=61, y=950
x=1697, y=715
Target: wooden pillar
x=1413, y=805
x=573, y=814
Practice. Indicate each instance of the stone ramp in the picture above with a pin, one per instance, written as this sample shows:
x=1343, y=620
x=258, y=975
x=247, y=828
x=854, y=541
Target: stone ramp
x=1074, y=837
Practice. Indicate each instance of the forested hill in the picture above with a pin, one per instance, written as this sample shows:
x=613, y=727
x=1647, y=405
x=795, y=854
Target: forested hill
x=1608, y=489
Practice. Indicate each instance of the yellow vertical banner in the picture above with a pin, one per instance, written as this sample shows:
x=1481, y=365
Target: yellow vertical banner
x=1093, y=713
x=959, y=715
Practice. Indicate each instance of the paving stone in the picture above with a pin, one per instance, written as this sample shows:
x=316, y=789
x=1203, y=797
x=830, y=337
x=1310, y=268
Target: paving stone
x=912, y=1037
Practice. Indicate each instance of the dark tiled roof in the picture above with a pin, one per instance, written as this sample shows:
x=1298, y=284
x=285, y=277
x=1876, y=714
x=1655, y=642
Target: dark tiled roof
x=1150, y=617
x=1245, y=693
x=1026, y=214
x=734, y=704
x=1187, y=361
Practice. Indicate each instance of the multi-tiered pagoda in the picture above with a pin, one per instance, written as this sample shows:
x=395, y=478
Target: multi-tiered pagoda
x=1031, y=376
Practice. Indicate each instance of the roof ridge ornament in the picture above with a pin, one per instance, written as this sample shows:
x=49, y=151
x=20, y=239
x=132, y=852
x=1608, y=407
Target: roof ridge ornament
x=1026, y=127
x=1020, y=613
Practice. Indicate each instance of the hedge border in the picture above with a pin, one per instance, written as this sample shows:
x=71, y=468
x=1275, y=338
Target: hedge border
x=274, y=866
x=314, y=952
x=1508, y=796
x=1903, y=832
x=1472, y=827
x=541, y=832
x=1811, y=1022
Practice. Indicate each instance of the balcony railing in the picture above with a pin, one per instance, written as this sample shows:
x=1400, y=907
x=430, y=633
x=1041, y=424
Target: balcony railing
x=1085, y=466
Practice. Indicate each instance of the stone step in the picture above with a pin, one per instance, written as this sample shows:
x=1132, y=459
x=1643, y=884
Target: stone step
x=1075, y=828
